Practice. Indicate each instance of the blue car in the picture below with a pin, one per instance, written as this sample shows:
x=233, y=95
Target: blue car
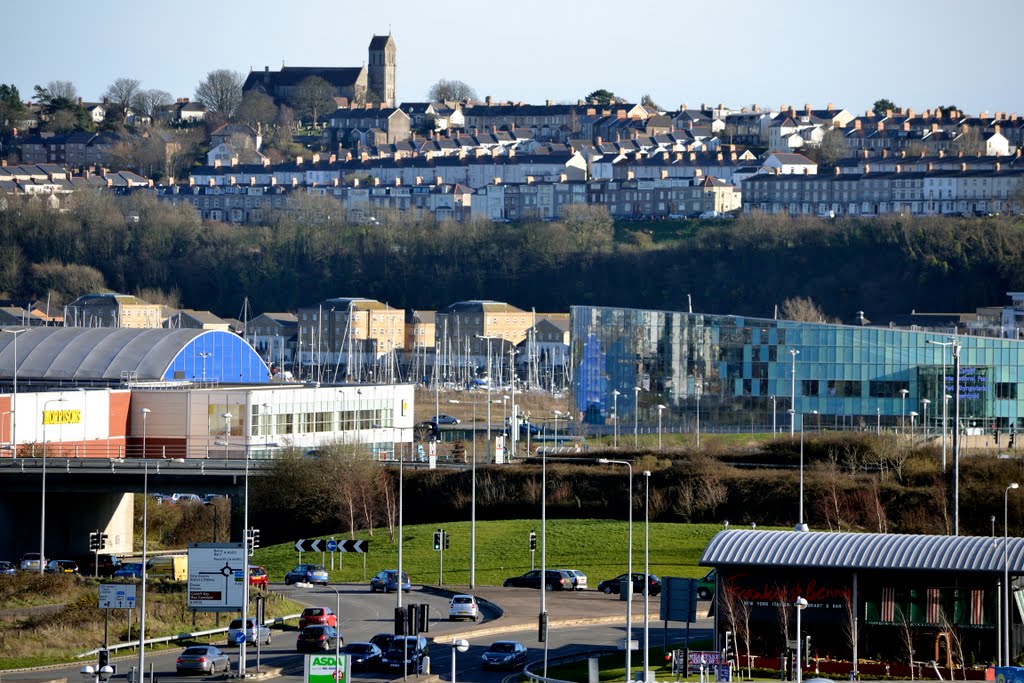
x=8, y=568
x=129, y=570
x=387, y=580
x=306, y=573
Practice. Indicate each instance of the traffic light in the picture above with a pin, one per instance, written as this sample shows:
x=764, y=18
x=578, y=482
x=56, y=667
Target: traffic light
x=412, y=619
x=533, y=540
x=444, y=535
x=102, y=659
x=103, y=541
x=730, y=650
x=254, y=539
x=807, y=650
x=437, y=539
x=94, y=540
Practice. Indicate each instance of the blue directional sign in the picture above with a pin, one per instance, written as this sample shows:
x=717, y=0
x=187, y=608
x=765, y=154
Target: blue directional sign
x=239, y=637
x=332, y=546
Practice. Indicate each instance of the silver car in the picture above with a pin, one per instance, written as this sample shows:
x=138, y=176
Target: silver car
x=579, y=579
x=252, y=634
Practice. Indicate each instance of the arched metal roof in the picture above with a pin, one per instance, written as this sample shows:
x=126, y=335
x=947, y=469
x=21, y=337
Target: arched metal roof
x=111, y=354
x=863, y=551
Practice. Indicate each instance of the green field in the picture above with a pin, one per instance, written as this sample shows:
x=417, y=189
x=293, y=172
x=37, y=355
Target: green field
x=597, y=547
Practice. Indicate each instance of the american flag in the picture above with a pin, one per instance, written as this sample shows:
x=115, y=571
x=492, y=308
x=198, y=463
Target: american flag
x=934, y=615
x=889, y=604
x=977, y=606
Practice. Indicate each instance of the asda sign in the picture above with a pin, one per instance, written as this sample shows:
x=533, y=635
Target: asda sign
x=326, y=669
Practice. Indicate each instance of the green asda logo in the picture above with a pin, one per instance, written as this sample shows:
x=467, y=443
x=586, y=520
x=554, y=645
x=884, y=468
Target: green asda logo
x=323, y=661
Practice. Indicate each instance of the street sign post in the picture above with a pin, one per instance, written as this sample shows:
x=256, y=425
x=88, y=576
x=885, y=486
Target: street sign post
x=326, y=668
x=115, y=596
x=216, y=576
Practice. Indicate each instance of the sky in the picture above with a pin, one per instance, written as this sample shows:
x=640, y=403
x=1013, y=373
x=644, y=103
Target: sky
x=918, y=53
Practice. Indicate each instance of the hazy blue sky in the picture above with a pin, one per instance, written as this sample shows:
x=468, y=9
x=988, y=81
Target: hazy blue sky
x=917, y=53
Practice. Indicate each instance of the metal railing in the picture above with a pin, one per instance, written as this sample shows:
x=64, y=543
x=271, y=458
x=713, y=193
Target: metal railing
x=566, y=659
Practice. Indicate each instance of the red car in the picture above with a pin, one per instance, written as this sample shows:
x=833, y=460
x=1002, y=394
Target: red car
x=258, y=577
x=317, y=616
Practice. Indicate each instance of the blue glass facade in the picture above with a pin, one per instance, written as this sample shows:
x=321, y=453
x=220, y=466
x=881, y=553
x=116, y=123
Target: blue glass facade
x=218, y=356
x=731, y=367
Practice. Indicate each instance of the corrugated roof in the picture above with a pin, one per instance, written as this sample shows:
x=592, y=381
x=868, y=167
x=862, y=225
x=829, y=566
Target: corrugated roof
x=863, y=551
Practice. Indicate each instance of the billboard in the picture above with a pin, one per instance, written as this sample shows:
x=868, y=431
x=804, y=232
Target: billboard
x=216, y=577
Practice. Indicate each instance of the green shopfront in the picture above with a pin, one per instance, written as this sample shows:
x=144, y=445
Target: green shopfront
x=745, y=374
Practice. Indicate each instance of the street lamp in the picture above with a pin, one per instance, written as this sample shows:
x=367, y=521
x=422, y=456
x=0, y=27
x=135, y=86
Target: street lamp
x=945, y=403
x=558, y=414
x=792, y=392
x=774, y=429
x=615, y=412
x=647, y=573
x=800, y=525
x=661, y=407
x=800, y=604
x=878, y=421
x=913, y=423
x=945, y=396
x=42, y=514
x=142, y=603
x=699, y=388
x=14, y=397
x=924, y=417
x=1006, y=575
x=636, y=417
x=629, y=566
x=458, y=645
x=145, y=414
x=337, y=639
x=472, y=506
x=204, y=355
x=903, y=408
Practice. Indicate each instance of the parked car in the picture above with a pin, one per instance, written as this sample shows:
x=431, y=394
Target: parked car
x=251, y=632
x=61, y=567
x=179, y=498
x=129, y=570
x=554, y=581
x=706, y=586
x=579, y=579
x=7, y=567
x=364, y=656
x=318, y=616
x=612, y=586
x=505, y=654
x=306, y=573
x=30, y=562
x=204, y=659
x=383, y=641
x=445, y=420
x=106, y=566
x=318, y=637
x=387, y=580
x=258, y=577
x=463, y=607
x=174, y=567
x=411, y=652
x=208, y=498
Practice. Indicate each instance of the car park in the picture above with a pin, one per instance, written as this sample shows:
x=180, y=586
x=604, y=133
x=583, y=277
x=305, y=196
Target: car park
x=405, y=654
x=318, y=616
x=505, y=654
x=258, y=577
x=202, y=659
x=129, y=570
x=463, y=607
x=252, y=633
x=555, y=580
x=318, y=637
x=579, y=579
x=30, y=562
x=387, y=580
x=364, y=656
x=61, y=567
x=613, y=586
x=306, y=573
x=445, y=420
x=7, y=567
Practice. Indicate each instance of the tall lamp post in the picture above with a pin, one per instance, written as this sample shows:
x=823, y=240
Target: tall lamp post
x=945, y=396
x=42, y=513
x=145, y=414
x=800, y=525
x=142, y=603
x=14, y=396
x=636, y=418
x=800, y=604
x=924, y=418
x=647, y=574
x=661, y=407
x=913, y=424
x=903, y=408
x=472, y=506
x=792, y=392
x=629, y=566
x=615, y=412
x=1006, y=575
x=337, y=640
x=204, y=355
x=774, y=429
x=458, y=645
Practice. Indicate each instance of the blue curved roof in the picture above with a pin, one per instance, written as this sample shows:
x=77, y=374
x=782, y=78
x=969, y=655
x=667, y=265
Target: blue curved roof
x=863, y=551
x=113, y=354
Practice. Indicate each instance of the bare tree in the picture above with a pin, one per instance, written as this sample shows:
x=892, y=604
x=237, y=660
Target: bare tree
x=256, y=109
x=62, y=90
x=969, y=142
x=451, y=91
x=312, y=97
x=590, y=227
x=849, y=625
x=151, y=102
x=782, y=609
x=833, y=147
x=802, y=309
x=220, y=92
x=124, y=94
x=955, y=645
x=907, y=636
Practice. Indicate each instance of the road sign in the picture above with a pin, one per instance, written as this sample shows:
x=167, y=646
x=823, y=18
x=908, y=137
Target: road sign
x=117, y=596
x=324, y=668
x=239, y=637
x=216, y=576
x=678, y=599
x=317, y=545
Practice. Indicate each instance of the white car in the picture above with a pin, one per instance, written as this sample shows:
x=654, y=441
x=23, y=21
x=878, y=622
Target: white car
x=579, y=579
x=463, y=607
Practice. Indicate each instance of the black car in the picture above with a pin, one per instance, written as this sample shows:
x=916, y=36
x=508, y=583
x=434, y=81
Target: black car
x=412, y=652
x=365, y=656
x=612, y=586
x=319, y=637
x=505, y=654
x=555, y=580
x=383, y=641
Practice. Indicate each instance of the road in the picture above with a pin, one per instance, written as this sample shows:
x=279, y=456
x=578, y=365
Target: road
x=579, y=622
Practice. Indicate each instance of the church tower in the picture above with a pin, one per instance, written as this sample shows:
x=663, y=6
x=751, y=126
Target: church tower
x=381, y=71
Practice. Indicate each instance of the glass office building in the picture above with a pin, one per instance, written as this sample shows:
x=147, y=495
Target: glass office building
x=744, y=374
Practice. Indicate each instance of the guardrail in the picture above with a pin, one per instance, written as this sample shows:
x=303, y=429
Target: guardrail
x=566, y=659
x=182, y=636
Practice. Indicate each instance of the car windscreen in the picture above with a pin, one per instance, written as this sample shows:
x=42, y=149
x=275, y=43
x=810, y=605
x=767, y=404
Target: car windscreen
x=313, y=611
x=503, y=647
x=359, y=648
x=462, y=601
